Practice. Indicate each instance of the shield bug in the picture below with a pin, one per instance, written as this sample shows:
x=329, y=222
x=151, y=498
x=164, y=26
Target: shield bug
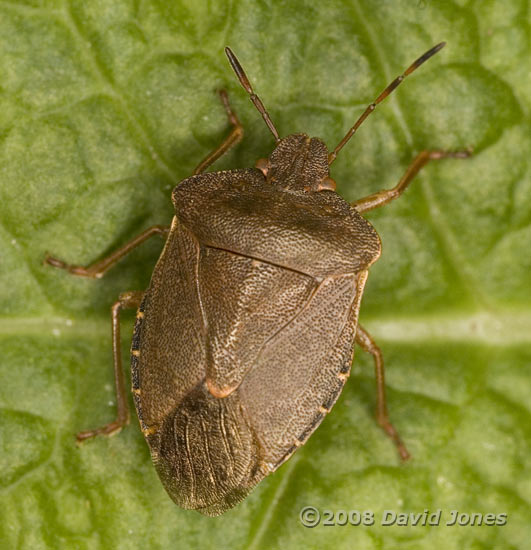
x=244, y=339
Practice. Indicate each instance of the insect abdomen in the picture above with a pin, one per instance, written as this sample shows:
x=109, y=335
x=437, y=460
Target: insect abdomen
x=208, y=457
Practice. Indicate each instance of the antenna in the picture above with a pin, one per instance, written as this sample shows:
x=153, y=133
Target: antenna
x=244, y=81
x=396, y=82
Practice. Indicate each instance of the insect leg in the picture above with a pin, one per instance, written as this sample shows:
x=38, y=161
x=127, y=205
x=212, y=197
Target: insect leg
x=365, y=341
x=126, y=300
x=386, y=196
x=98, y=269
x=233, y=138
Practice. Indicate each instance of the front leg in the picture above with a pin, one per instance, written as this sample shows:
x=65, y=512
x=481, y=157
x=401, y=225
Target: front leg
x=236, y=134
x=386, y=196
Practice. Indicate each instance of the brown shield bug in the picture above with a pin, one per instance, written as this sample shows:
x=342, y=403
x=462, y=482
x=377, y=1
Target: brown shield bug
x=244, y=339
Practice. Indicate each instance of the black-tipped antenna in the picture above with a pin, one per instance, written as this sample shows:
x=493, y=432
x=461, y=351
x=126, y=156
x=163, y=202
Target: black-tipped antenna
x=396, y=82
x=244, y=81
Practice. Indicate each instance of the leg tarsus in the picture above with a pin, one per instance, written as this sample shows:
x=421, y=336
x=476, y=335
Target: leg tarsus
x=387, y=195
x=126, y=300
x=98, y=269
x=365, y=341
x=236, y=134
x=108, y=430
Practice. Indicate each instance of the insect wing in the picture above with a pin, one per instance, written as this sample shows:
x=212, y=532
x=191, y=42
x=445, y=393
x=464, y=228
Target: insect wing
x=302, y=370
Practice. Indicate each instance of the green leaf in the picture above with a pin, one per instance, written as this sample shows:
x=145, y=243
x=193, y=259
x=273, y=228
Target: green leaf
x=106, y=106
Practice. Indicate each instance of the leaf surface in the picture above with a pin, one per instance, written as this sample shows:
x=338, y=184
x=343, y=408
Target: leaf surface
x=106, y=106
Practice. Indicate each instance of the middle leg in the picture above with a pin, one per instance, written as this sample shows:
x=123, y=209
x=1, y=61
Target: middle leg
x=98, y=269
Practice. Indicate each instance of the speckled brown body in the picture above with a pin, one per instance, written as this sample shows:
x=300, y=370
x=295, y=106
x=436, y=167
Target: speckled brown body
x=246, y=333
x=244, y=338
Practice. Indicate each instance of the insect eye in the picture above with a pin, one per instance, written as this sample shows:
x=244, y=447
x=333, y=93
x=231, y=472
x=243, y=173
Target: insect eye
x=328, y=184
x=262, y=165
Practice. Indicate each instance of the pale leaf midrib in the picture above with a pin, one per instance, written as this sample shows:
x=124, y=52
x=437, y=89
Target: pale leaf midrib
x=502, y=328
